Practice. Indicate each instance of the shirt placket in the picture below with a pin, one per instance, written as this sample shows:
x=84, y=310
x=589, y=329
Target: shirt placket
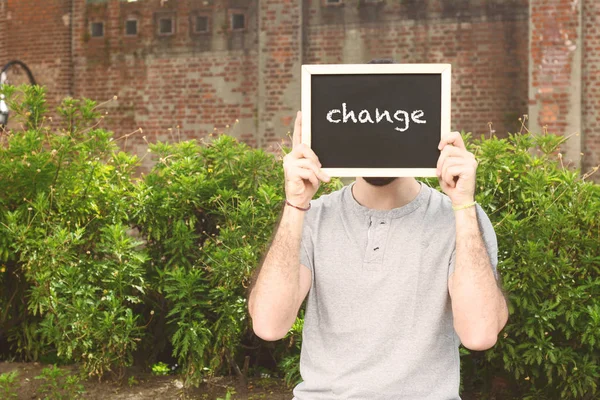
x=376, y=242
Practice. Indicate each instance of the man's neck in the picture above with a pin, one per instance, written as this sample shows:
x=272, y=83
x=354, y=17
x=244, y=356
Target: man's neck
x=393, y=195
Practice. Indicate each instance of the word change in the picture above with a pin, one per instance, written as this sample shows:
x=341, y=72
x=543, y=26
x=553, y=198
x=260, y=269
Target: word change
x=337, y=116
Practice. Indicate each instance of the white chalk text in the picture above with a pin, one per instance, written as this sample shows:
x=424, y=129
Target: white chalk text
x=365, y=117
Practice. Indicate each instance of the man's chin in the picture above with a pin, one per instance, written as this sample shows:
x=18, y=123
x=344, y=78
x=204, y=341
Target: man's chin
x=380, y=181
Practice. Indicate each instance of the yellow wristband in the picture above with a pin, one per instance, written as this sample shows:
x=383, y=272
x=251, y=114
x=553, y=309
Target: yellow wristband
x=456, y=208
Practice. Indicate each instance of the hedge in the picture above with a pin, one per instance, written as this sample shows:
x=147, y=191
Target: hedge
x=108, y=268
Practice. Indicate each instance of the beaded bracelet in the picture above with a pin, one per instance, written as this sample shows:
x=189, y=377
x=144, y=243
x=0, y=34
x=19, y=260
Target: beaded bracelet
x=296, y=207
x=468, y=205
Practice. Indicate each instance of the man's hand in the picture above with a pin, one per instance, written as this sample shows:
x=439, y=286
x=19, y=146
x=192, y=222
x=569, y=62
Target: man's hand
x=456, y=169
x=302, y=170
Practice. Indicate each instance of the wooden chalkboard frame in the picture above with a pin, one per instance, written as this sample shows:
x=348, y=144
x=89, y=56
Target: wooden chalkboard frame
x=341, y=69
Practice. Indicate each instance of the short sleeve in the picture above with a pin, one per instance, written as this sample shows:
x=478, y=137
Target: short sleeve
x=306, y=247
x=489, y=238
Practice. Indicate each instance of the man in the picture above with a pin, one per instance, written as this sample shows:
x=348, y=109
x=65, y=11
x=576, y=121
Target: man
x=396, y=274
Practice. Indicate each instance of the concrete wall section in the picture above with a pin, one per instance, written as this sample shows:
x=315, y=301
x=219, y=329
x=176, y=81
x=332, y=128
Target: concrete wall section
x=591, y=86
x=555, y=72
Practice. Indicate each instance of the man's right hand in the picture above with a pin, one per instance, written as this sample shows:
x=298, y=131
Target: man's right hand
x=302, y=170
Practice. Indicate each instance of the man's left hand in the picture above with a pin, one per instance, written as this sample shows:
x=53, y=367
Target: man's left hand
x=456, y=169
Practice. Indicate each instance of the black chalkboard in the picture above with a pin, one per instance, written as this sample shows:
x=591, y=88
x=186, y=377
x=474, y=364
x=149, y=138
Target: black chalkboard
x=377, y=120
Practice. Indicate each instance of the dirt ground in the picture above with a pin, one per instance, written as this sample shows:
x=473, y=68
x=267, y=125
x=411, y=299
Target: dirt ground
x=145, y=385
x=148, y=386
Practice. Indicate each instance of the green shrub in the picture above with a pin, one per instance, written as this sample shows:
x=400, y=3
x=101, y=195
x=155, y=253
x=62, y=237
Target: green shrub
x=73, y=274
x=549, y=233
x=9, y=385
x=58, y=384
x=96, y=263
x=160, y=368
x=100, y=263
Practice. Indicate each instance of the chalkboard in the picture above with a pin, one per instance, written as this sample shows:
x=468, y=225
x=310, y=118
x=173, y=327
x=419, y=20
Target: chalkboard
x=376, y=119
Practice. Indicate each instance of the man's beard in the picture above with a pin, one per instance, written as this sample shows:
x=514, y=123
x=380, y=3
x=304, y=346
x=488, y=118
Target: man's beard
x=380, y=181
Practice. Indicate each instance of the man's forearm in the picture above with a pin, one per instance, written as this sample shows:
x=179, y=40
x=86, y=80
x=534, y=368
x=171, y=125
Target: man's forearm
x=274, y=299
x=478, y=305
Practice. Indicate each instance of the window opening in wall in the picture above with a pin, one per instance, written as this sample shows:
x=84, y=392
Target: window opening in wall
x=165, y=26
x=333, y=2
x=97, y=29
x=238, y=21
x=201, y=24
x=131, y=27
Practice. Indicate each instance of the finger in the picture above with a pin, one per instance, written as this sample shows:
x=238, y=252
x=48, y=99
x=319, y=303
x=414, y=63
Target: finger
x=452, y=169
x=323, y=176
x=448, y=151
x=453, y=173
x=466, y=159
x=447, y=179
x=306, y=163
x=449, y=163
x=453, y=138
x=297, y=136
x=303, y=151
x=308, y=175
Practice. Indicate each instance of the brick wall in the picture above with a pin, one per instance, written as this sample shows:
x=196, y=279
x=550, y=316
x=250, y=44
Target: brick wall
x=3, y=36
x=591, y=86
x=41, y=38
x=184, y=85
x=486, y=43
x=247, y=82
x=280, y=63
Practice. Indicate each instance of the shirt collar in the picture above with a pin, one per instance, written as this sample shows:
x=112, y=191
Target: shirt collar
x=354, y=206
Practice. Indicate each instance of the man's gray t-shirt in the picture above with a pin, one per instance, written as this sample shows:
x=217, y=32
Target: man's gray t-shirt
x=378, y=322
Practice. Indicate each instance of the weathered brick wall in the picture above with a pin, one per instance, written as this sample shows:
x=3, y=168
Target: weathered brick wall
x=486, y=43
x=40, y=36
x=591, y=86
x=180, y=86
x=509, y=58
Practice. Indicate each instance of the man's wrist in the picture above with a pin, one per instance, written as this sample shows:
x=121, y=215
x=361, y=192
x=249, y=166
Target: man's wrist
x=300, y=207
x=463, y=205
x=466, y=221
